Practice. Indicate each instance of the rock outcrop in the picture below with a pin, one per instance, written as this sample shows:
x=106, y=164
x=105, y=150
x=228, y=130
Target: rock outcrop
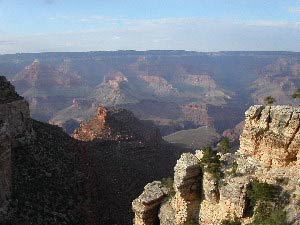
x=268, y=156
x=146, y=206
x=187, y=188
x=271, y=135
x=182, y=207
x=117, y=125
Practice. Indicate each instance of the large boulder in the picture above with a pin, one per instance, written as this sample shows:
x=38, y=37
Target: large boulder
x=147, y=205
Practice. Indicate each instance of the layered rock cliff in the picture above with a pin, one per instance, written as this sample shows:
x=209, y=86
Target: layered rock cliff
x=257, y=185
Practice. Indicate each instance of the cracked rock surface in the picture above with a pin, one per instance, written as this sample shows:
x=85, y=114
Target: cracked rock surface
x=271, y=135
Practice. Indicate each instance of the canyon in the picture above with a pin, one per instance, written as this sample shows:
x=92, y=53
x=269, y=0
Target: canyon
x=118, y=109
x=177, y=90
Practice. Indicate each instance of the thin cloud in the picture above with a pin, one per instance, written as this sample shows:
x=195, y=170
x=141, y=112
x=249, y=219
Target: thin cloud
x=88, y=19
x=165, y=21
x=116, y=37
x=169, y=33
x=294, y=10
x=6, y=42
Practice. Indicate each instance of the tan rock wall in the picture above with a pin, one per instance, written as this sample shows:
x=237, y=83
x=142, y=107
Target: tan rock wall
x=187, y=181
x=271, y=135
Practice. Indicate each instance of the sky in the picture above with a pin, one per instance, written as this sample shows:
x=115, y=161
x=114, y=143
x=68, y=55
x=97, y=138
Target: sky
x=198, y=25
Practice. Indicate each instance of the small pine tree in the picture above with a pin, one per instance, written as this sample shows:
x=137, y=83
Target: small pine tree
x=225, y=146
x=269, y=100
x=210, y=162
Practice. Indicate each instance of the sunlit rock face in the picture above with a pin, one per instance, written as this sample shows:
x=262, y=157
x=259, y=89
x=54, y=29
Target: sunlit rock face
x=271, y=135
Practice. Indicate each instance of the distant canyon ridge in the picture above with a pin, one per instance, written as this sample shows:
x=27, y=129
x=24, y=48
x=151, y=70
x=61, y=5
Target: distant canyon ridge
x=176, y=90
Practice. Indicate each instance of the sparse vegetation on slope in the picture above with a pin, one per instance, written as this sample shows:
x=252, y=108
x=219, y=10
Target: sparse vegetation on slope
x=265, y=205
x=168, y=183
x=268, y=214
x=261, y=192
x=210, y=163
x=235, y=221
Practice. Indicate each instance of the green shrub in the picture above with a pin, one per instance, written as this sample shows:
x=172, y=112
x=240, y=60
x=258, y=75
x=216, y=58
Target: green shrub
x=168, y=183
x=235, y=221
x=268, y=214
x=225, y=146
x=269, y=210
x=210, y=163
x=263, y=192
x=269, y=100
x=234, y=169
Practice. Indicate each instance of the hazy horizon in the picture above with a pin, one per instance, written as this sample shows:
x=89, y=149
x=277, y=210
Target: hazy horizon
x=152, y=50
x=192, y=25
